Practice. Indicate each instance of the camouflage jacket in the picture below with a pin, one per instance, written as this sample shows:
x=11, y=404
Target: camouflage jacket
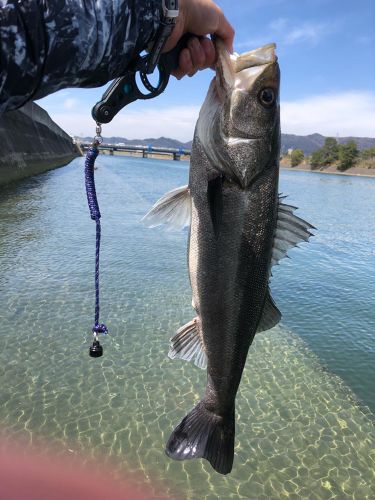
x=47, y=45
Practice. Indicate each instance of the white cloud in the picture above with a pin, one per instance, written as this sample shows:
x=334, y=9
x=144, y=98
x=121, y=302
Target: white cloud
x=285, y=32
x=279, y=24
x=346, y=113
x=177, y=122
x=307, y=32
x=70, y=103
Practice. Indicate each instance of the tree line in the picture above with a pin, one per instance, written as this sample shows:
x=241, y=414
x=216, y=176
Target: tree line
x=343, y=156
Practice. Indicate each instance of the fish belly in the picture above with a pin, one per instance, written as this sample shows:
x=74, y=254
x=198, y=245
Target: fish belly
x=229, y=260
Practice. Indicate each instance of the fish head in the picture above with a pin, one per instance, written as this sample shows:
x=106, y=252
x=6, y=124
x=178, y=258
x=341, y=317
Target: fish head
x=239, y=123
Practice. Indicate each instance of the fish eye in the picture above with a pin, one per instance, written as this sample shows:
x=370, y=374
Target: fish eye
x=267, y=97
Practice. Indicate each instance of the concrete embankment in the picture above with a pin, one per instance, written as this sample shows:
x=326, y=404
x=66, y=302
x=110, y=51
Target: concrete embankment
x=31, y=143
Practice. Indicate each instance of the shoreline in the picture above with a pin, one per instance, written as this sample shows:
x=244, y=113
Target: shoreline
x=353, y=172
x=152, y=155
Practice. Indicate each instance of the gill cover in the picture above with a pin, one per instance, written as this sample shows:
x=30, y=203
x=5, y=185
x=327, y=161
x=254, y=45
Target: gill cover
x=238, y=125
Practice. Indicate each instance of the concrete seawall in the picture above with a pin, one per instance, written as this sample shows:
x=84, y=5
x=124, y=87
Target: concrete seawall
x=31, y=143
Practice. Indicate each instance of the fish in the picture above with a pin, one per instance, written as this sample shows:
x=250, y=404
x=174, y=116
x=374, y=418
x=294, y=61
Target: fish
x=240, y=227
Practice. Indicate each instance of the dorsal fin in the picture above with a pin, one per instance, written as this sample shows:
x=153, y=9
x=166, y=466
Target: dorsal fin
x=290, y=230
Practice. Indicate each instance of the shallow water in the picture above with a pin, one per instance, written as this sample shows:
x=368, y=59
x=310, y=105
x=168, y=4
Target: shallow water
x=306, y=404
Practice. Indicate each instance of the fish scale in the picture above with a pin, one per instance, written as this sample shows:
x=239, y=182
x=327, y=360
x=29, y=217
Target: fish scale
x=239, y=228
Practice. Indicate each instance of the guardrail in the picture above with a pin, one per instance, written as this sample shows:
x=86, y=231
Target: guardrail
x=144, y=151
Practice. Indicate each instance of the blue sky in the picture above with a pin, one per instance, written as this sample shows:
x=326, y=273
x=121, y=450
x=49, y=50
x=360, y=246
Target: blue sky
x=327, y=60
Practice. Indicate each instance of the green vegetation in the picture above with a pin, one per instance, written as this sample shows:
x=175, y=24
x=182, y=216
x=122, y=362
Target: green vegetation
x=343, y=156
x=368, y=157
x=368, y=154
x=330, y=150
x=348, y=155
x=340, y=156
x=326, y=155
x=316, y=160
x=296, y=157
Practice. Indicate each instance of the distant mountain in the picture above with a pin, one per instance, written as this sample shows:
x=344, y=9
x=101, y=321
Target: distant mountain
x=308, y=143
x=163, y=142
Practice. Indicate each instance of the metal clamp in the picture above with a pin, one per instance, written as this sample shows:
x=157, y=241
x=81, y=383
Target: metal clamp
x=125, y=90
x=170, y=8
x=98, y=139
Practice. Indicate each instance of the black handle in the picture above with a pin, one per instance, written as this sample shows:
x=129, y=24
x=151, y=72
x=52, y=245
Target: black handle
x=170, y=59
x=124, y=90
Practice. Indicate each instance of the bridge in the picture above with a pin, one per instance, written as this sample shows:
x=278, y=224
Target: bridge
x=143, y=151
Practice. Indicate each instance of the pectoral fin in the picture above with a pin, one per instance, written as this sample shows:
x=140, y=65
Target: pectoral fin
x=173, y=210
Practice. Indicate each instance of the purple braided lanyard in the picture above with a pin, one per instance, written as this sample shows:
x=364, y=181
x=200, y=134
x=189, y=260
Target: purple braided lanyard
x=91, y=155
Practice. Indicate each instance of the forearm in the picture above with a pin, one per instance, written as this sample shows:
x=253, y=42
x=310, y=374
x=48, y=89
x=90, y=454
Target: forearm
x=53, y=44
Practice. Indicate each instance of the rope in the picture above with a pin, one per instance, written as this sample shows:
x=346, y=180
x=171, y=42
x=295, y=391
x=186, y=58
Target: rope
x=92, y=201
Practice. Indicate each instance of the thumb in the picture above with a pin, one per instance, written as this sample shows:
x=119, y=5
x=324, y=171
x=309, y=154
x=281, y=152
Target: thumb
x=204, y=17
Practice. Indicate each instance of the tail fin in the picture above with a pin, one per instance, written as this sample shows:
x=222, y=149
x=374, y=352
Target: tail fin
x=202, y=434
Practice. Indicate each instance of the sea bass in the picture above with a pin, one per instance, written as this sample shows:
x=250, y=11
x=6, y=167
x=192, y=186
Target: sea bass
x=239, y=229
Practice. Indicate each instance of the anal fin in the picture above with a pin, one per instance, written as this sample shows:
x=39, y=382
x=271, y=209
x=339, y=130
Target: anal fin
x=188, y=344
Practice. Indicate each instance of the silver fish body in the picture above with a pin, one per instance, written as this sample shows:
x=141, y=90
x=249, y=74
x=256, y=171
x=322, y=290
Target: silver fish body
x=239, y=229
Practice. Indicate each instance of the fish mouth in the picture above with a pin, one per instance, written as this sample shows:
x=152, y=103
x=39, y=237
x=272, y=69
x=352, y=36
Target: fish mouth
x=256, y=57
x=240, y=71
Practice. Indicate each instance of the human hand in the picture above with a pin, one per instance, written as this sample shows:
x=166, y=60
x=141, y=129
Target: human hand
x=199, y=17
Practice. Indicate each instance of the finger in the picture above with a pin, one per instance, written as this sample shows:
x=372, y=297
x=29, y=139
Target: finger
x=197, y=54
x=205, y=59
x=207, y=17
x=185, y=64
x=194, y=70
x=209, y=51
x=225, y=31
x=177, y=73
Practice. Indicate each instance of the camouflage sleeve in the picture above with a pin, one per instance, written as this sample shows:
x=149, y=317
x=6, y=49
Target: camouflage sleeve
x=47, y=45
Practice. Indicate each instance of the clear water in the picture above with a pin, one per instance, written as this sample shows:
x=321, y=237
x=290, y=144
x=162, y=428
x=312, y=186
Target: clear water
x=305, y=409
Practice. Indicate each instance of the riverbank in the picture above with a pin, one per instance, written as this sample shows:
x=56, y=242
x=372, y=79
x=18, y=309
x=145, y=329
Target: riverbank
x=32, y=143
x=357, y=171
x=140, y=154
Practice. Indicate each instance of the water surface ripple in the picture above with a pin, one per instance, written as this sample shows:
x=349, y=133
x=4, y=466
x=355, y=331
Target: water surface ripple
x=306, y=401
